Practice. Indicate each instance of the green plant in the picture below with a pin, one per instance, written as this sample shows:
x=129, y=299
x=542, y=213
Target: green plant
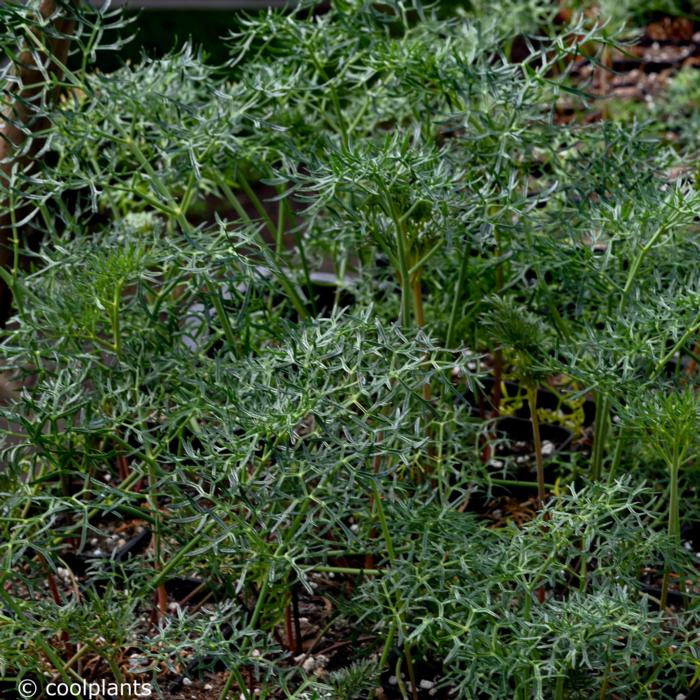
x=668, y=422
x=251, y=430
x=523, y=335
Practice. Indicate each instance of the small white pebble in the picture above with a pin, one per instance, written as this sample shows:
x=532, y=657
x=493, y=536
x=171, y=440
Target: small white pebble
x=496, y=463
x=187, y=682
x=547, y=448
x=426, y=685
x=108, y=477
x=355, y=527
x=392, y=680
x=208, y=686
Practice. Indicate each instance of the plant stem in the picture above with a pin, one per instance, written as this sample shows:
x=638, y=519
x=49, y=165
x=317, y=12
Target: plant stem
x=271, y=259
x=116, y=325
x=674, y=527
x=634, y=269
x=296, y=619
x=157, y=535
x=420, y=321
x=459, y=290
x=517, y=484
x=15, y=232
x=668, y=356
x=399, y=679
x=600, y=429
x=498, y=354
x=382, y=520
x=532, y=400
x=225, y=322
x=617, y=455
x=411, y=671
x=345, y=570
x=259, y=207
x=401, y=246
x=674, y=521
x=234, y=675
x=418, y=300
x=559, y=688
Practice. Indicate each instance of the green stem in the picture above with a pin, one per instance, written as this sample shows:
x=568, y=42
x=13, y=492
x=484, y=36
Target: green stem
x=559, y=688
x=245, y=186
x=67, y=674
x=418, y=300
x=401, y=247
x=383, y=522
x=345, y=570
x=116, y=325
x=532, y=400
x=518, y=484
x=157, y=530
x=600, y=429
x=583, y=572
x=674, y=520
x=634, y=269
x=617, y=455
x=172, y=563
x=668, y=356
x=233, y=675
x=411, y=671
x=674, y=527
x=342, y=126
x=399, y=679
x=459, y=290
x=15, y=232
x=224, y=320
x=271, y=260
